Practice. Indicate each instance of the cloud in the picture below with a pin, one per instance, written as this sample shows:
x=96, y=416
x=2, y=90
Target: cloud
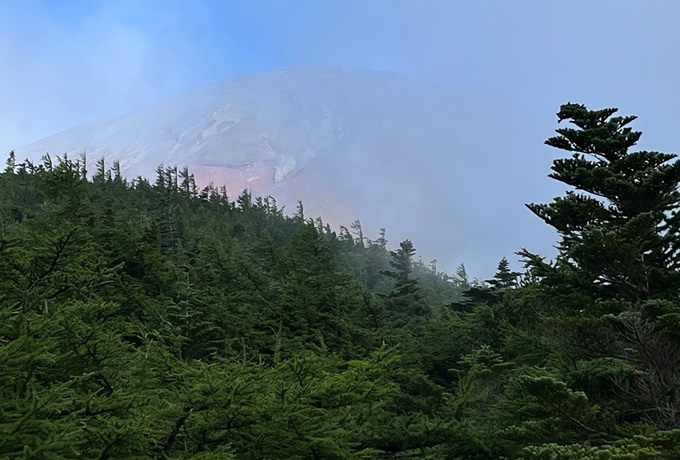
x=62, y=71
x=508, y=65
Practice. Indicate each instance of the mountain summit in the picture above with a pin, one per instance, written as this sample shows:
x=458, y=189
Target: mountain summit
x=254, y=132
x=351, y=144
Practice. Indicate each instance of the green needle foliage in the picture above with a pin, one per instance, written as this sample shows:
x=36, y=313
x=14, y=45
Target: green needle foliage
x=158, y=320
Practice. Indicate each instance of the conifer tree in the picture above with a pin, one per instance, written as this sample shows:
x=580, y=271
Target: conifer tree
x=100, y=172
x=620, y=227
x=461, y=278
x=11, y=163
x=504, y=277
x=382, y=240
x=245, y=201
x=300, y=212
x=616, y=277
x=358, y=233
x=405, y=300
x=117, y=177
x=83, y=165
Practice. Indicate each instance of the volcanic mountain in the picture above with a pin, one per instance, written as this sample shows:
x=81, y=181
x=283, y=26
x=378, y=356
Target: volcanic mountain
x=350, y=144
x=277, y=133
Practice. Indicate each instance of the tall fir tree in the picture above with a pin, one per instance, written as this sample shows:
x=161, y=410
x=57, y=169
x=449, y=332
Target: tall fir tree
x=504, y=277
x=405, y=301
x=616, y=278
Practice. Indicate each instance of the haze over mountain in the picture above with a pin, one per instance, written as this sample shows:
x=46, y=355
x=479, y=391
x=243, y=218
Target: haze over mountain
x=350, y=144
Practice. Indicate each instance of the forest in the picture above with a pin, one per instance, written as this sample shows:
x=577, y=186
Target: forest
x=145, y=319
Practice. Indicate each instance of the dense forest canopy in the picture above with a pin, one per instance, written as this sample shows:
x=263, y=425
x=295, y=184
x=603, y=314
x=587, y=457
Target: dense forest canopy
x=157, y=320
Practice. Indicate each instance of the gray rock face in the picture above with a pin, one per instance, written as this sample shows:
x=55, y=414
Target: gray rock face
x=253, y=131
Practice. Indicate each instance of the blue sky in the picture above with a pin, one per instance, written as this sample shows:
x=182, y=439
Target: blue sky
x=64, y=63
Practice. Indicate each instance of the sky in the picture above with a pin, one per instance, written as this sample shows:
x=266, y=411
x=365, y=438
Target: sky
x=63, y=63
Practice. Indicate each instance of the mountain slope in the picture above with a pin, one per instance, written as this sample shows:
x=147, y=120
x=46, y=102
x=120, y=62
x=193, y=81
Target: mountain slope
x=350, y=144
x=251, y=131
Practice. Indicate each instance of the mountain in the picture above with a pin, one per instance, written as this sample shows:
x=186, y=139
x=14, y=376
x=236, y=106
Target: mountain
x=315, y=134
x=258, y=131
x=351, y=144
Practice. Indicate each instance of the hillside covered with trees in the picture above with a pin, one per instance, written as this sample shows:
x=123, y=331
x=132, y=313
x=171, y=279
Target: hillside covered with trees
x=157, y=320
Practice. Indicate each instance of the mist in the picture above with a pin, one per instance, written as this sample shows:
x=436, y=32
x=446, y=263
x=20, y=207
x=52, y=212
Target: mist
x=490, y=76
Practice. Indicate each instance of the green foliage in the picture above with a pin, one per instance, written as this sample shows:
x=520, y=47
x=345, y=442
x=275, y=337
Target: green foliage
x=142, y=320
x=159, y=321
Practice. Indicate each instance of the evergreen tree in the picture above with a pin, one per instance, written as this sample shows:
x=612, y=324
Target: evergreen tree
x=405, y=301
x=616, y=278
x=358, y=233
x=461, y=278
x=100, y=172
x=11, y=163
x=504, y=277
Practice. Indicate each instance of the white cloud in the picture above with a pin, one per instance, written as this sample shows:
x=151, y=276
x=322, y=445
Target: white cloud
x=57, y=74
